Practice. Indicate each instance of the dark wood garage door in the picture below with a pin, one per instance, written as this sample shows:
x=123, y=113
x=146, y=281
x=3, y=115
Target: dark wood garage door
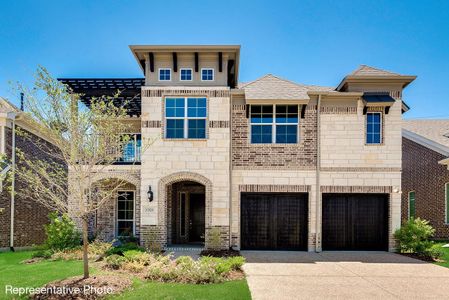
x=274, y=221
x=355, y=222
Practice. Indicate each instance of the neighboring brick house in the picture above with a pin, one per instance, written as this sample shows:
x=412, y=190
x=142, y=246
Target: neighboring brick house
x=29, y=217
x=268, y=164
x=425, y=178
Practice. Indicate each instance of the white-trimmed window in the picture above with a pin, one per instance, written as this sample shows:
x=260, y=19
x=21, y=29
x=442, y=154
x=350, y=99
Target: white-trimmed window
x=274, y=124
x=125, y=213
x=185, y=74
x=446, y=201
x=185, y=117
x=207, y=74
x=373, y=128
x=164, y=74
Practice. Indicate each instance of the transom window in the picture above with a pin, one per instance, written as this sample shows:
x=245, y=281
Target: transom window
x=207, y=74
x=164, y=74
x=274, y=124
x=374, y=128
x=186, y=75
x=185, y=118
x=125, y=213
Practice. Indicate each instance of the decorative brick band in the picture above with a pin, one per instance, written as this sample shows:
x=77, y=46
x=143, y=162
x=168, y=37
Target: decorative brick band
x=197, y=92
x=356, y=189
x=152, y=124
x=218, y=124
x=271, y=188
x=347, y=110
x=359, y=169
x=280, y=167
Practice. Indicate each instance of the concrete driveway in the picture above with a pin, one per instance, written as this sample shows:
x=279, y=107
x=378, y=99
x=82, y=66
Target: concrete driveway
x=343, y=275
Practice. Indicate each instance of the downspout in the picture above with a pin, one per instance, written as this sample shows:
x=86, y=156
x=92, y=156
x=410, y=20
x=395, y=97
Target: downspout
x=13, y=182
x=318, y=173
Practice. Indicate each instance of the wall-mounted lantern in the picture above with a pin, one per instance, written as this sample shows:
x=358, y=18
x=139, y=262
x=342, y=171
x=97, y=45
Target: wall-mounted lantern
x=150, y=194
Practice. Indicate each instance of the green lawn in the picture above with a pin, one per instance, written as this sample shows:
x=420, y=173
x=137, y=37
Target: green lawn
x=237, y=290
x=445, y=256
x=13, y=272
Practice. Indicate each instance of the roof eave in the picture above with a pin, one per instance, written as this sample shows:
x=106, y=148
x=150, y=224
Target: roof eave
x=404, y=79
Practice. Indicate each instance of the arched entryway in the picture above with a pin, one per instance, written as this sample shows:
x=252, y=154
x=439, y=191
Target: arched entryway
x=186, y=207
x=186, y=213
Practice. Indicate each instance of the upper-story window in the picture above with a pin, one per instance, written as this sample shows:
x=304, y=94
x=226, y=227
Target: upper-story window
x=374, y=128
x=274, y=124
x=207, y=74
x=185, y=75
x=164, y=74
x=185, y=118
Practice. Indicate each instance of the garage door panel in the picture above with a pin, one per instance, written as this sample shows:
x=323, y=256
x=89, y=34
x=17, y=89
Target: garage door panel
x=355, y=221
x=274, y=221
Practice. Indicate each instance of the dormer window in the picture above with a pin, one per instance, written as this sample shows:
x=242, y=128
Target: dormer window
x=165, y=74
x=185, y=75
x=207, y=74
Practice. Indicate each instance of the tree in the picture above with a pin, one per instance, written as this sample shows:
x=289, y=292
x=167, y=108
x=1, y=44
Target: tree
x=78, y=140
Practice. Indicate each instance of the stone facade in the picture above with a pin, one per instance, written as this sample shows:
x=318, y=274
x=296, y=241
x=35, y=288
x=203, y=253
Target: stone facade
x=423, y=175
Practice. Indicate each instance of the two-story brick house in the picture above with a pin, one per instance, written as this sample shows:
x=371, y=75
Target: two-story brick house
x=268, y=164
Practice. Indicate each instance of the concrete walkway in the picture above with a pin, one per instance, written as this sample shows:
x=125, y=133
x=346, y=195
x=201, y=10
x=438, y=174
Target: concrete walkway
x=343, y=275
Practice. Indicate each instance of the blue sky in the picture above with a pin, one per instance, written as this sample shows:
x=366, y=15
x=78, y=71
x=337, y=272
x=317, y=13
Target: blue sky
x=312, y=42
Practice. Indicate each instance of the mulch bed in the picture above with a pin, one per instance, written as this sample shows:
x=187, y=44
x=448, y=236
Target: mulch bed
x=220, y=253
x=420, y=257
x=94, y=287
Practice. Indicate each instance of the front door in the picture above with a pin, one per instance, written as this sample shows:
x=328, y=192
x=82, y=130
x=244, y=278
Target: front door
x=197, y=218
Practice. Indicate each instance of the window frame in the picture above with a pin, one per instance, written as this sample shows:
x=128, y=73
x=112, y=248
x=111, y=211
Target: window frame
x=185, y=118
x=446, y=202
x=191, y=74
x=213, y=74
x=126, y=220
x=274, y=125
x=381, y=140
x=409, y=204
x=159, y=74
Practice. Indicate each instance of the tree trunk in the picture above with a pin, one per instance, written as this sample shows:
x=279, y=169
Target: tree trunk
x=85, y=248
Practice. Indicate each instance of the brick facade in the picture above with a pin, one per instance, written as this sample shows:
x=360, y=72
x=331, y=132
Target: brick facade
x=423, y=174
x=29, y=216
x=287, y=156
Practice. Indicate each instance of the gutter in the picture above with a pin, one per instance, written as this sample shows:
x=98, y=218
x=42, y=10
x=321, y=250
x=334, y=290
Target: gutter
x=318, y=174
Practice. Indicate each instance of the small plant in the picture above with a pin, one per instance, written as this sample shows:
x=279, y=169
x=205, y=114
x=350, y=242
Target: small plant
x=61, y=233
x=120, y=249
x=44, y=253
x=413, y=236
x=114, y=261
x=214, y=241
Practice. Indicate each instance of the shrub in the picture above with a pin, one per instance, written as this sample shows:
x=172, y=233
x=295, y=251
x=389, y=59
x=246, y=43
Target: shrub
x=433, y=252
x=114, y=261
x=99, y=248
x=414, y=236
x=44, y=253
x=61, y=233
x=119, y=250
x=225, y=265
x=214, y=238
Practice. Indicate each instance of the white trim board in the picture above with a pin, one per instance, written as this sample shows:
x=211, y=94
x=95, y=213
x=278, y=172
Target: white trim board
x=432, y=145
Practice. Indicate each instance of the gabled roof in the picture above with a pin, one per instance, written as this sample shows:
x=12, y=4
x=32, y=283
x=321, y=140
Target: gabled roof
x=366, y=73
x=433, y=134
x=270, y=87
x=364, y=70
